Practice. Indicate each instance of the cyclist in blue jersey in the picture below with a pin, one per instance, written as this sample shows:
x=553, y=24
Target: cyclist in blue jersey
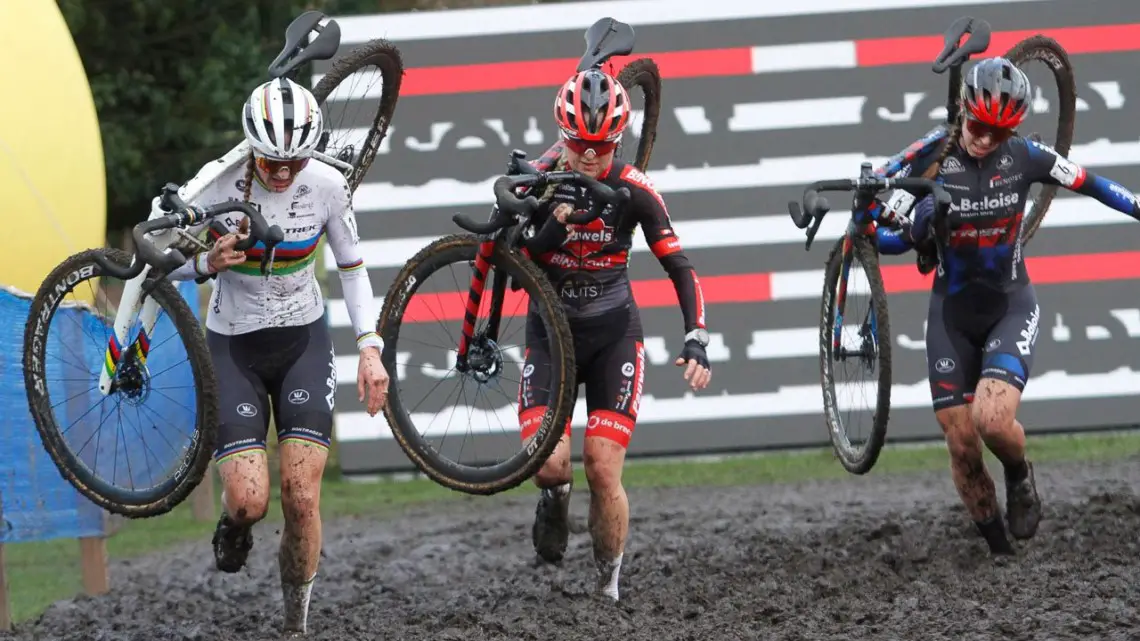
x=269, y=338
x=983, y=317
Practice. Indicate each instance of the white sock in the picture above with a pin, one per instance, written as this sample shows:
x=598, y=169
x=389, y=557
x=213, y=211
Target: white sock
x=608, y=573
x=296, y=602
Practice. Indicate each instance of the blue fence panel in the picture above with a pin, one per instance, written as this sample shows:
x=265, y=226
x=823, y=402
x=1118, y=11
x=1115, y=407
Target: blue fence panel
x=36, y=502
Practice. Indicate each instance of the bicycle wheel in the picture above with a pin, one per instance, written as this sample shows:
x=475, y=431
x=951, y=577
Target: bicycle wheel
x=874, y=339
x=134, y=388
x=398, y=315
x=385, y=57
x=1050, y=52
x=644, y=73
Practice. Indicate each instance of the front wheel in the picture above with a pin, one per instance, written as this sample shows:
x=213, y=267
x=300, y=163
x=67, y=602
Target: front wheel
x=163, y=389
x=854, y=341
x=503, y=367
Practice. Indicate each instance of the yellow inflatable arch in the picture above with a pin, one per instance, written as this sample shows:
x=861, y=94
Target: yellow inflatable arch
x=52, y=180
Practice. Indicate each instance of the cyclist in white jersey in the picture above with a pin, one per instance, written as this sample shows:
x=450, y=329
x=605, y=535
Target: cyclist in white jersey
x=269, y=340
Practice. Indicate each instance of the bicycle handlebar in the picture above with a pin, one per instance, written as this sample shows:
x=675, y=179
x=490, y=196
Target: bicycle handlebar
x=183, y=215
x=815, y=206
x=506, y=200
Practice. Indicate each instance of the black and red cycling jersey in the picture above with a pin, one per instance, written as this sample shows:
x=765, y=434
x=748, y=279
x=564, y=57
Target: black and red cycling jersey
x=588, y=264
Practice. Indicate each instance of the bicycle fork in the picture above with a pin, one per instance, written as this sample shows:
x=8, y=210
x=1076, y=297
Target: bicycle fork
x=870, y=323
x=474, y=298
x=115, y=355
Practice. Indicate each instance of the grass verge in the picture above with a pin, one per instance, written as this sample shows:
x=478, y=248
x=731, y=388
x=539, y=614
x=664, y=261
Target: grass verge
x=41, y=573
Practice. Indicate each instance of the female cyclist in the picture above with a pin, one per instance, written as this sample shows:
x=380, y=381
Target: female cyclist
x=269, y=339
x=983, y=317
x=588, y=264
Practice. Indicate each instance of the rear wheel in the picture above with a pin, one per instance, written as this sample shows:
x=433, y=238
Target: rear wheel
x=643, y=73
x=1050, y=52
x=355, y=139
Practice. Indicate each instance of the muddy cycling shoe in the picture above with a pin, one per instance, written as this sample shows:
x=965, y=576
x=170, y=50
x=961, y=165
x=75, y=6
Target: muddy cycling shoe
x=551, y=529
x=1022, y=505
x=993, y=531
x=232, y=544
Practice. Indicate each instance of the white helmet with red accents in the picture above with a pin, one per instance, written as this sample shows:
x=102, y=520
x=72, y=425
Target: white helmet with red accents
x=592, y=106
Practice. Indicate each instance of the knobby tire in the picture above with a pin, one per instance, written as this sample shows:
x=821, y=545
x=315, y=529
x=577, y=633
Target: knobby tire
x=523, y=465
x=129, y=503
x=382, y=54
x=644, y=73
x=855, y=460
x=1050, y=52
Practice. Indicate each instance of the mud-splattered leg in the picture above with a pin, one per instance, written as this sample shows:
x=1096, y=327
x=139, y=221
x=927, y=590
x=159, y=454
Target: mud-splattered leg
x=245, y=501
x=609, y=509
x=995, y=407
x=302, y=466
x=973, y=481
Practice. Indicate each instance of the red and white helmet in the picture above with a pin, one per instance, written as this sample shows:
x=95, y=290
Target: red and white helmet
x=592, y=106
x=276, y=108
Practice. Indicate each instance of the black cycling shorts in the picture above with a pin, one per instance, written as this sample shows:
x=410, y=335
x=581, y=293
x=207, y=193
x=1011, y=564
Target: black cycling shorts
x=293, y=367
x=979, y=333
x=610, y=353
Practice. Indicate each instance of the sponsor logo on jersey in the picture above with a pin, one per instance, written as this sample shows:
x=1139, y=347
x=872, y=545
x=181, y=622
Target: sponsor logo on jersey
x=951, y=166
x=986, y=203
x=999, y=181
x=591, y=238
x=578, y=289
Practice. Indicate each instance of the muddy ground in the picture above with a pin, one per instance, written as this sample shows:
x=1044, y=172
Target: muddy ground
x=860, y=558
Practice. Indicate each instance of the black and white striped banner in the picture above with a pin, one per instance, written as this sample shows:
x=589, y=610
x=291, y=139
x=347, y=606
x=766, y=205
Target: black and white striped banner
x=759, y=98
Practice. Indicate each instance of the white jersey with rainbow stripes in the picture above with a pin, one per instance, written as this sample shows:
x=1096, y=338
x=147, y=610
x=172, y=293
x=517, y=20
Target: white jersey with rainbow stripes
x=317, y=204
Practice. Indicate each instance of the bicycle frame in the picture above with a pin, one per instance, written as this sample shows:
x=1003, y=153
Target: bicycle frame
x=131, y=304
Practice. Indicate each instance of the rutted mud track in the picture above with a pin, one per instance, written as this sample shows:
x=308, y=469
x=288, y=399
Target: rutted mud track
x=860, y=558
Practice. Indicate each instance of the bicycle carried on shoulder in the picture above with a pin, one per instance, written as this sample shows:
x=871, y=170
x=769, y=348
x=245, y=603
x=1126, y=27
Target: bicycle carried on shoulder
x=492, y=253
x=857, y=241
x=161, y=244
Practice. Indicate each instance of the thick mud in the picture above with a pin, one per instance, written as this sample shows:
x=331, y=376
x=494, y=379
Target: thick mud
x=858, y=558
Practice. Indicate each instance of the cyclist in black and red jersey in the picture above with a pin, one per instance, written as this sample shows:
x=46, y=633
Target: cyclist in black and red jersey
x=588, y=265
x=983, y=317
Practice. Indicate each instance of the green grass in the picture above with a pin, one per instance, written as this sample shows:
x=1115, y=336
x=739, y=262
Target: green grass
x=40, y=573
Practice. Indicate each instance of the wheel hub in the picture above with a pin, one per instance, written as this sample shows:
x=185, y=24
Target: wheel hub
x=133, y=380
x=484, y=358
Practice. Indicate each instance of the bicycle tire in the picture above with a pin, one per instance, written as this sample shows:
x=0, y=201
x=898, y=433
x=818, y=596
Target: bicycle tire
x=523, y=465
x=855, y=460
x=386, y=56
x=643, y=73
x=117, y=500
x=1050, y=52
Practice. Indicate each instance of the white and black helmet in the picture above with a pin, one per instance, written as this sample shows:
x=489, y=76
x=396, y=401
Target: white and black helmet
x=277, y=107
